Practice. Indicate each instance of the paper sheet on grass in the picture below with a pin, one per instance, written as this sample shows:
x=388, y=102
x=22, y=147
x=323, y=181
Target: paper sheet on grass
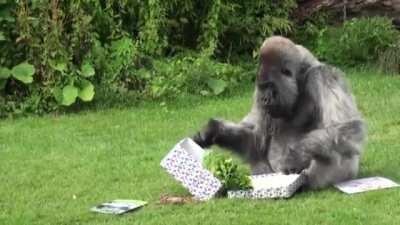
x=365, y=184
x=118, y=206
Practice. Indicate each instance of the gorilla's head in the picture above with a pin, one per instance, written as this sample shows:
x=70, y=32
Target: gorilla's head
x=277, y=81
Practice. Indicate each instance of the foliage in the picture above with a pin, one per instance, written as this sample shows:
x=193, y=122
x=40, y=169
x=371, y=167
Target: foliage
x=389, y=60
x=114, y=60
x=79, y=47
x=239, y=27
x=22, y=72
x=232, y=174
x=151, y=37
x=54, y=37
x=56, y=54
x=307, y=33
x=358, y=41
x=195, y=75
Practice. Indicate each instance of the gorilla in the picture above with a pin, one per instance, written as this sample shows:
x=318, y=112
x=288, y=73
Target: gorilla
x=304, y=119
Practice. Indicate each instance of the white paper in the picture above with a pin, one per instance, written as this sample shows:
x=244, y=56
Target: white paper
x=193, y=149
x=365, y=184
x=118, y=206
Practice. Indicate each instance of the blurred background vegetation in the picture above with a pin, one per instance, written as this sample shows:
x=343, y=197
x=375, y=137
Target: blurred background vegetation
x=64, y=55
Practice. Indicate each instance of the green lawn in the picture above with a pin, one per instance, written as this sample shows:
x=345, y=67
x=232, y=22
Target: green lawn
x=53, y=169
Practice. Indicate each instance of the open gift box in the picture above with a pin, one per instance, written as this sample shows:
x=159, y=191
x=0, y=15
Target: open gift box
x=273, y=185
x=185, y=163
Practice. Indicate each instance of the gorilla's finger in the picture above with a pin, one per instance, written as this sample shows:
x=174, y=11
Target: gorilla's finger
x=197, y=138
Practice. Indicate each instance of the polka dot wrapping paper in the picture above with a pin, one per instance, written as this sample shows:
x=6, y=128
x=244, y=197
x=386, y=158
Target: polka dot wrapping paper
x=184, y=163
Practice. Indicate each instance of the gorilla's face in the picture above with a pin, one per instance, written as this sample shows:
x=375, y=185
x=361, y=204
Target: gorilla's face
x=277, y=80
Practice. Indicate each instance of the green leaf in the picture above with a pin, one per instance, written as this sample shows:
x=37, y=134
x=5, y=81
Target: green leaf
x=59, y=66
x=4, y=73
x=58, y=95
x=86, y=91
x=87, y=70
x=69, y=94
x=23, y=72
x=5, y=14
x=204, y=92
x=2, y=84
x=2, y=37
x=217, y=86
x=183, y=20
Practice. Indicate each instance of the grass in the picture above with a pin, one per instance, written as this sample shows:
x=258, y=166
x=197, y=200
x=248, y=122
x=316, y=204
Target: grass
x=54, y=168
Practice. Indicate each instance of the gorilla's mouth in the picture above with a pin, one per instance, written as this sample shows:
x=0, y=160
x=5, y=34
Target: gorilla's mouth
x=270, y=105
x=274, y=110
x=277, y=111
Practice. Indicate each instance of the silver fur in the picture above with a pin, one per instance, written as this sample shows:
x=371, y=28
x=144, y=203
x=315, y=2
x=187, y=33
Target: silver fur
x=303, y=119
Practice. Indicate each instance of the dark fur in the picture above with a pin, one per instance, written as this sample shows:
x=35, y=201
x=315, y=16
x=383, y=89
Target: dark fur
x=304, y=118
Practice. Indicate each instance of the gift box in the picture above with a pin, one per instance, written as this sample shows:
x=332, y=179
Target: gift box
x=185, y=163
x=272, y=185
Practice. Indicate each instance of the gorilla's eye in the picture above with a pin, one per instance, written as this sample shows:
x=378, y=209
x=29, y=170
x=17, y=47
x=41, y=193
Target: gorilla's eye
x=286, y=72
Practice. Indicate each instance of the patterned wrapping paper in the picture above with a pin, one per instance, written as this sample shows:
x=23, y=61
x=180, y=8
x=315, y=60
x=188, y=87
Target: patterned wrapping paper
x=184, y=163
x=273, y=192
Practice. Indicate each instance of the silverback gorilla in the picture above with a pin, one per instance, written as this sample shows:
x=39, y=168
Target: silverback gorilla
x=303, y=119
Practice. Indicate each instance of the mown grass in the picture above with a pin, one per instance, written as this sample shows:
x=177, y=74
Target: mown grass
x=54, y=168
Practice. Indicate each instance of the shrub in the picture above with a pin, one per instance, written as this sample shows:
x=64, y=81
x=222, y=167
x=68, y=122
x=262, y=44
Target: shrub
x=170, y=77
x=358, y=41
x=54, y=38
x=307, y=33
x=389, y=60
x=225, y=28
x=243, y=25
x=194, y=75
x=79, y=47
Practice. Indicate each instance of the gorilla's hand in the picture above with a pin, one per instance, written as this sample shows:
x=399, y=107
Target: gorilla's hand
x=206, y=137
x=295, y=161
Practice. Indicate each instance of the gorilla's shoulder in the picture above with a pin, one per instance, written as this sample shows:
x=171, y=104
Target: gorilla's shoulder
x=328, y=75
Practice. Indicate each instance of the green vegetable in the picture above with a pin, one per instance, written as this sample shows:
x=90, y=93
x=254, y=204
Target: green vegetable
x=231, y=172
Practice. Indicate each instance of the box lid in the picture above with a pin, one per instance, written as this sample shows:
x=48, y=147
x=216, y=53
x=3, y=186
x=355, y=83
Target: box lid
x=184, y=163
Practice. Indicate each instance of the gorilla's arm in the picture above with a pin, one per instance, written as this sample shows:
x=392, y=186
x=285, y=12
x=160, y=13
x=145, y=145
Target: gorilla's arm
x=334, y=153
x=344, y=139
x=252, y=118
x=238, y=138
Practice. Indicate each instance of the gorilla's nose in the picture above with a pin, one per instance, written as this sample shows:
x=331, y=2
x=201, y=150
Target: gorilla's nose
x=266, y=100
x=269, y=97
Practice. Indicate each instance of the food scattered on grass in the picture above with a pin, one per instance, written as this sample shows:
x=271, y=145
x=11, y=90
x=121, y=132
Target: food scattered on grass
x=177, y=200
